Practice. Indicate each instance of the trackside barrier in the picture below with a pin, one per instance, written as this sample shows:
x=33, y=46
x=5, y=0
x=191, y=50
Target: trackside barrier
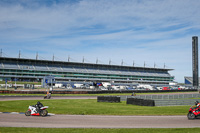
x=124, y=98
x=165, y=100
x=170, y=96
x=108, y=99
x=175, y=102
x=162, y=97
x=141, y=102
x=138, y=91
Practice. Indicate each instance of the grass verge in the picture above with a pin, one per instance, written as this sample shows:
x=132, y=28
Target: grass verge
x=93, y=130
x=92, y=107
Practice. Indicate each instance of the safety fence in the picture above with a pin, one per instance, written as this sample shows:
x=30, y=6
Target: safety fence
x=170, y=96
x=160, y=100
x=175, y=102
x=162, y=97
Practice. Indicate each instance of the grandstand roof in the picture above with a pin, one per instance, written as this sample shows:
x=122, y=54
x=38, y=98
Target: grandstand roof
x=79, y=64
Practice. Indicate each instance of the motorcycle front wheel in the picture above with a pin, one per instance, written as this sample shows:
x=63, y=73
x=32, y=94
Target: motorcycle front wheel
x=44, y=113
x=191, y=116
x=27, y=113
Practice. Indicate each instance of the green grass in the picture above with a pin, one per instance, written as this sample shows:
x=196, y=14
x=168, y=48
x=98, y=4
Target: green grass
x=93, y=130
x=92, y=107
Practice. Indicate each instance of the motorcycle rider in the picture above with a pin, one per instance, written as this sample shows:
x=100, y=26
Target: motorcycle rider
x=197, y=103
x=47, y=96
x=133, y=94
x=38, y=106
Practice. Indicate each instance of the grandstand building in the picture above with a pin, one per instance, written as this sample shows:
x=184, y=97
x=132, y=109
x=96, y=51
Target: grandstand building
x=34, y=70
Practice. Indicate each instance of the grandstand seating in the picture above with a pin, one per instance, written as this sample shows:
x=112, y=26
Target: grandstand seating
x=41, y=68
x=80, y=70
x=10, y=65
x=25, y=66
x=1, y=65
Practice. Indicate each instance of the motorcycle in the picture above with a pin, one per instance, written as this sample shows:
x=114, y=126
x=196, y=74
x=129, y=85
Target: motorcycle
x=33, y=111
x=48, y=96
x=193, y=113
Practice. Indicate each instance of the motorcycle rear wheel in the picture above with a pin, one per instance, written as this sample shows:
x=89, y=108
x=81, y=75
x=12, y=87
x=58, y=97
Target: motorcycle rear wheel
x=44, y=113
x=27, y=113
x=191, y=116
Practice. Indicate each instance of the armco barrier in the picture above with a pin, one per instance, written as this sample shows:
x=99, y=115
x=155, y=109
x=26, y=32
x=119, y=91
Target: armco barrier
x=137, y=91
x=141, y=102
x=162, y=97
x=175, y=102
x=162, y=100
x=108, y=99
x=169, y=96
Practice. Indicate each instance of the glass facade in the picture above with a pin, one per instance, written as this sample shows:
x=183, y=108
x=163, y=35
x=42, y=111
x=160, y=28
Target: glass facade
x=32, y=70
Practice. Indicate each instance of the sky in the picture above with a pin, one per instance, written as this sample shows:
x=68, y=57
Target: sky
x=140, y=32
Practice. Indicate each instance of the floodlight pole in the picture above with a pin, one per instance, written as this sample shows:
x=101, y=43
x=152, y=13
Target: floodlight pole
x=83, y=59
x=68, y=58
x=97, y=61
x=37, y=56
x=19, y=54
x=53, y=57
x=1, y=55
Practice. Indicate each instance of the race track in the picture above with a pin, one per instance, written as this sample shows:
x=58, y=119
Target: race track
x=8, y=98
x=96, y=121
x=91, y=121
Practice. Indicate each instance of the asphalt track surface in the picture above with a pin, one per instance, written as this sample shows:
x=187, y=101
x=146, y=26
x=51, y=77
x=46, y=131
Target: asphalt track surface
x=8, y=98
x=91, y=121
x=96, y=121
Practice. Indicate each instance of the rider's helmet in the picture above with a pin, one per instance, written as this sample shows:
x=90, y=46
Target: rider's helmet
x=38, y=102
x=196, y=102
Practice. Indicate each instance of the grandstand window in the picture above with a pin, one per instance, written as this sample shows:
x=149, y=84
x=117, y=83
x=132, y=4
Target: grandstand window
x=81, y=71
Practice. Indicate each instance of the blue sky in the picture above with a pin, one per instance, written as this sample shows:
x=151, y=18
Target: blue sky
x=150, y=31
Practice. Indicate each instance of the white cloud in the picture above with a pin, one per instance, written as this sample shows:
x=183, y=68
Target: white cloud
x=151, y=31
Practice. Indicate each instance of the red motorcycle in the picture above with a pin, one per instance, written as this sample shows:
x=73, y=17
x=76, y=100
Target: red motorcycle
x=193, y=113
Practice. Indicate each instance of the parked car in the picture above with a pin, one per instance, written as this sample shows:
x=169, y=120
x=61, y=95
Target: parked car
x=102, y=88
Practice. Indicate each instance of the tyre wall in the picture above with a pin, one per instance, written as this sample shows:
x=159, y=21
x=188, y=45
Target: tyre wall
x=141, y=102
x=108, y=99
